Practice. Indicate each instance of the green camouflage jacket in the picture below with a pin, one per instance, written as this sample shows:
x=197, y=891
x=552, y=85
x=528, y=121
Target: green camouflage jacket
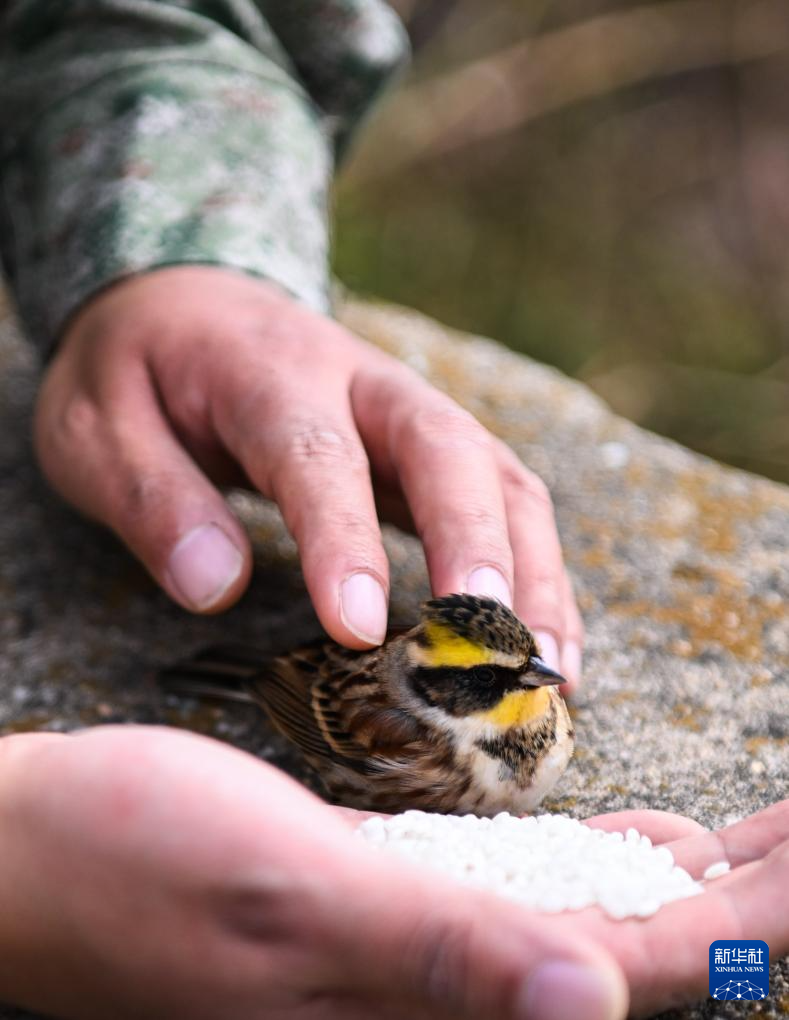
x=143, y=133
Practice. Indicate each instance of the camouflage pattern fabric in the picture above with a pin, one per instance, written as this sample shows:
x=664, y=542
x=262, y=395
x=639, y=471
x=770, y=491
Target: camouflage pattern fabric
x=137, y=134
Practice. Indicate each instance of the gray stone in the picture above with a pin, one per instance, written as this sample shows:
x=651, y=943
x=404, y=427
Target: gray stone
x=681, y=568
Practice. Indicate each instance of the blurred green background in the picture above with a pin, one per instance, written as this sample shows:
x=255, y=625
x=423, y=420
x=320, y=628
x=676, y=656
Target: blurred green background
x=604, y=186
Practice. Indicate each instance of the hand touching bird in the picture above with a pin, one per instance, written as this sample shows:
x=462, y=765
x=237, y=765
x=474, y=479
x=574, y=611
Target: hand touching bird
x=458, y=714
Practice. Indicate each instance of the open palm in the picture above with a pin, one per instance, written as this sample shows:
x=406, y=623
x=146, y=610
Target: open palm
x=151, y=872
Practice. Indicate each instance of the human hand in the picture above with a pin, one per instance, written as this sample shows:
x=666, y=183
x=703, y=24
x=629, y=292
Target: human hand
x=665, y=958
x=176, y=381
x=150, y=872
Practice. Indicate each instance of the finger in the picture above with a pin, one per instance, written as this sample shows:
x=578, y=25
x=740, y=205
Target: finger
x=660, y=826
x=115, y=457
x=757, y=835
x=748, y=840
x=757, y=895
x=457, y=953
x=571, y=663
x=665, y=958
x=540, y=594
x=304, y=452
x=443, y=461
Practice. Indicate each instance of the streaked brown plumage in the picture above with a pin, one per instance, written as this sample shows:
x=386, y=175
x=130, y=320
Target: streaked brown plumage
x=458, y=714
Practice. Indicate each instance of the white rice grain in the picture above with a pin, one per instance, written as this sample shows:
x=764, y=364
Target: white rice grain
x=550, y=863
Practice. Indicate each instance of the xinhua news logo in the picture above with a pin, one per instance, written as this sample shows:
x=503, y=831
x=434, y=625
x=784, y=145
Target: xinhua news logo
x=739, y=969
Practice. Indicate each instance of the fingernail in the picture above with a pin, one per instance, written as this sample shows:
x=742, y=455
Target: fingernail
x=489, y=581
x=363, y=607
x=571, y=660
x=567, y=991
x=549, y=650
x=203, y=565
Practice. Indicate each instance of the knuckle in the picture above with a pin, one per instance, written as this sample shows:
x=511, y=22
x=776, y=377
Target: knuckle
x=482, y=528
x=353, y=534
x=63, y=429
x=320, y=446
x=529, y=487
x=150, y=494
x=79, y=418
x=573, y=619
x=342, y=534
x=781, y=859
x=576, y=631
x=543, y=590
x=449, y=428
x=354, y=524
x=443, y=962
x=441, y=957
x=73, y=425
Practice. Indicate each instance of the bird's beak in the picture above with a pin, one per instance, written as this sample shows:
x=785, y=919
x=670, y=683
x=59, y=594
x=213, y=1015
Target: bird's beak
x=540, y=675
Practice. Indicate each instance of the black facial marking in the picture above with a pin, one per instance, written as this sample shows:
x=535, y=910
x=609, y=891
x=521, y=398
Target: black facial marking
x=460, y=691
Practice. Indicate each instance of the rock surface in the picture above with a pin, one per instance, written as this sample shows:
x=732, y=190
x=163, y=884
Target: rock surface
x=681, y=567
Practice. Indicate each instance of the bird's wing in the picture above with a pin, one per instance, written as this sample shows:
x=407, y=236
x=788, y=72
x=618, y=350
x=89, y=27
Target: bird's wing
x=330, y=704
x=284, y=689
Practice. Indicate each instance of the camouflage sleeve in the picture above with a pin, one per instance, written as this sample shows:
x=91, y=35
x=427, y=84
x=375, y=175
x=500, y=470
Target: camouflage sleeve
x=137, y=134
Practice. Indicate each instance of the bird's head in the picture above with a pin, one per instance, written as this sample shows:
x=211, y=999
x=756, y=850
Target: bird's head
x=471, y=656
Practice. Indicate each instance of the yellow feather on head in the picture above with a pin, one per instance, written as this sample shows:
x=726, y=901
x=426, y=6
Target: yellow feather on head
x=447, y=648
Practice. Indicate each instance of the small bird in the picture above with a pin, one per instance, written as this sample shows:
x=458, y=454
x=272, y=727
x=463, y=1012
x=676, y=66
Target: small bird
x=459, y=714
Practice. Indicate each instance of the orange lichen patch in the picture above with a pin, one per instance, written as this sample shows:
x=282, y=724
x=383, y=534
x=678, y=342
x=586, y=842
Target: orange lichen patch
x=640, y=639
x=755, y=745
x=693, y=573
x=717, y=511
x=619, y=697
x=596, y=558
x=637, y=474
x=558, y=805
x=695, y=507
x=681, y=648
x=600, y=529
x=690, y=717
x=728, y=617
x=761, y=678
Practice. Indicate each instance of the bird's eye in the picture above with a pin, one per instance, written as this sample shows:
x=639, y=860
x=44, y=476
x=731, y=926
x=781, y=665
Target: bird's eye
x=484, y=675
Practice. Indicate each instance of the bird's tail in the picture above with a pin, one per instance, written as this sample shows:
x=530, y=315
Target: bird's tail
x=221, y=671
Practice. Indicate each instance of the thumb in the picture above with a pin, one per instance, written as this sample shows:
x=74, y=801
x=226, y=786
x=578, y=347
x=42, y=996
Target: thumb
x=122, y=465
x=427, y=945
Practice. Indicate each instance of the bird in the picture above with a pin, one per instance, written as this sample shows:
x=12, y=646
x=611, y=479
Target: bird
x=458, y=715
